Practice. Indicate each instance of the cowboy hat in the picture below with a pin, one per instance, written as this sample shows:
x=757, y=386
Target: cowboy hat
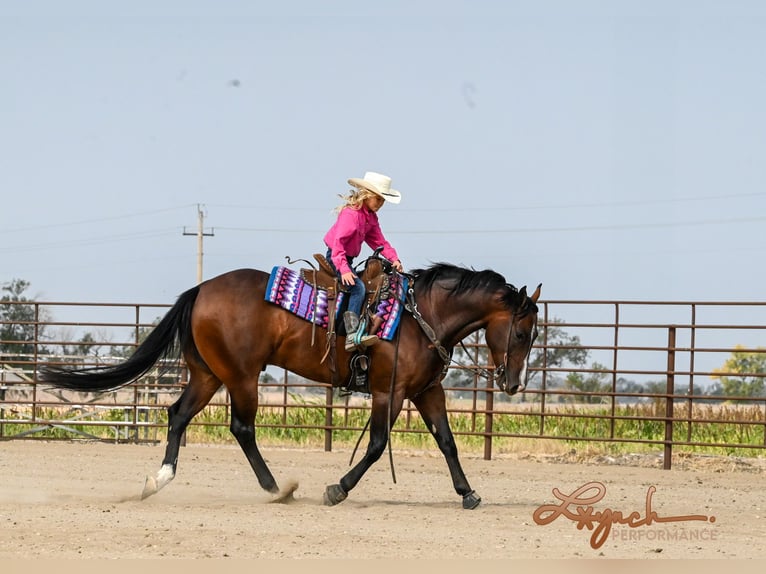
x=378, y=184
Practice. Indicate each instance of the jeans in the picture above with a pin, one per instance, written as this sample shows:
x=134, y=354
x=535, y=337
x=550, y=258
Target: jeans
x=357, y=292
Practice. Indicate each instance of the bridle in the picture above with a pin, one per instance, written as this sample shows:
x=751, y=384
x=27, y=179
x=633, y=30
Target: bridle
x=446, y=356
x=412, y=306
x=500, y=371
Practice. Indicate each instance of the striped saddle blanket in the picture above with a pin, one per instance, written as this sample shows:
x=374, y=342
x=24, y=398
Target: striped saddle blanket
x=287, y=290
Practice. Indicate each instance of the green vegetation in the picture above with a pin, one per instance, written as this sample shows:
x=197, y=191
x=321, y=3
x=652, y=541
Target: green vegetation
x=18, y=321
x=636, y=428
x=742, y=373
x=579, y=417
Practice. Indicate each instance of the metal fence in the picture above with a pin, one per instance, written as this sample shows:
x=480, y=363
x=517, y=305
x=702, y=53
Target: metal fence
x=657, y=375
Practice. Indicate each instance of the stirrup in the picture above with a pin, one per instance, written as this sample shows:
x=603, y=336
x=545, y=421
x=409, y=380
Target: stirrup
x=359, y=341
x=363, y=340
x=358, y=381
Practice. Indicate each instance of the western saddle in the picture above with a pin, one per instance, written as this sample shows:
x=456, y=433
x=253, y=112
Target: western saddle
x=324, y=277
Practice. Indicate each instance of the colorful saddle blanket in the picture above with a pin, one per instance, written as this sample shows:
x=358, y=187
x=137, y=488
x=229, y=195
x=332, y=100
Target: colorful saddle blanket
x=286, y=289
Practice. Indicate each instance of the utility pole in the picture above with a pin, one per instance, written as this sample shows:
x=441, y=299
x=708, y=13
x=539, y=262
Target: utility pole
x=200, y=233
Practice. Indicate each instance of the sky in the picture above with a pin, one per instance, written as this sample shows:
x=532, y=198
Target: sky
x=610, y=150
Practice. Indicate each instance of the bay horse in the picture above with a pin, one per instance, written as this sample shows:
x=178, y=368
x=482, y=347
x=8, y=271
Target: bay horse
x=227, y=333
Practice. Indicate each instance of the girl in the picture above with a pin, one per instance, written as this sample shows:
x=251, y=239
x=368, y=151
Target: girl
x=357, y=223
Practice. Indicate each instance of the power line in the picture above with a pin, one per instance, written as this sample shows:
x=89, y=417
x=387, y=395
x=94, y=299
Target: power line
x=84, y=221
x=493, y=208
x=456, y=231
x=576, y=205
x=86, y=242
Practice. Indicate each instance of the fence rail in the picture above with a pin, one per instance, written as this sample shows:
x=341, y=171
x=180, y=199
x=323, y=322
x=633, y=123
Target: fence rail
x=653, y=374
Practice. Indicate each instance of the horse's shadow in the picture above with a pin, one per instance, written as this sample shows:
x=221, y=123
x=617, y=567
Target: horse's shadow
x=286, y=498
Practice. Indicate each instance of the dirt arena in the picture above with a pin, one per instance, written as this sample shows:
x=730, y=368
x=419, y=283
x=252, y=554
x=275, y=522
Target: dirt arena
x=81, y=500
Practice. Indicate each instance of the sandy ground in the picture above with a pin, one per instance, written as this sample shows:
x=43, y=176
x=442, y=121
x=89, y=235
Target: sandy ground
x=81, y=500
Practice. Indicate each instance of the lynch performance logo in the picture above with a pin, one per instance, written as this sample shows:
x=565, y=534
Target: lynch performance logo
x=578, y=508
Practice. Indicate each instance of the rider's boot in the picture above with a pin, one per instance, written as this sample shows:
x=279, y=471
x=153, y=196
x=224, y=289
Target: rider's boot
x=354, y=338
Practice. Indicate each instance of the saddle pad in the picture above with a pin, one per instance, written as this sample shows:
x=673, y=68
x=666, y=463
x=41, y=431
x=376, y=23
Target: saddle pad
x=390, y=309
x=287, y=290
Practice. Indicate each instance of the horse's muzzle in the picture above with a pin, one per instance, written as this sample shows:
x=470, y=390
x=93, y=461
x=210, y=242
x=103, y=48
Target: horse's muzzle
x=514, y=389
x=502, y=382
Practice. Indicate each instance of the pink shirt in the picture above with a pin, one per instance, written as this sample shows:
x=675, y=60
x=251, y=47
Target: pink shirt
x=352, y=228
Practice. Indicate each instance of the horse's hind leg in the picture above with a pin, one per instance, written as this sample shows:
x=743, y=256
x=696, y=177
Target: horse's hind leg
x=244, y=404
x=432, y=407
x=201, y=388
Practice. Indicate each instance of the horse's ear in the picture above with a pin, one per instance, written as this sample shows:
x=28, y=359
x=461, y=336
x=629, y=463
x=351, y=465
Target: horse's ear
x=536, y=294
x=522, y=296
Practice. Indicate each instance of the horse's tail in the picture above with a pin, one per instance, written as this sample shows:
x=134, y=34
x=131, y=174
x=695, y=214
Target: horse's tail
x=166, y=341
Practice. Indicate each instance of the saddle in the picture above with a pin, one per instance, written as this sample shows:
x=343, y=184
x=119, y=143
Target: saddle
x=324, y=277
x=373, y=276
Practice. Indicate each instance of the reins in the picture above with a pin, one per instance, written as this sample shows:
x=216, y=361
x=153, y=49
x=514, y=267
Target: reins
x=412, y=306
x=446, y=357
x=482, y=372
x=390, y=401
x=388, y=421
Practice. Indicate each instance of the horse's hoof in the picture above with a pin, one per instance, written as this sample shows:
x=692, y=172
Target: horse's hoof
x=471, y=500
x=334, y=494
x=150, y=487
x=285, y=496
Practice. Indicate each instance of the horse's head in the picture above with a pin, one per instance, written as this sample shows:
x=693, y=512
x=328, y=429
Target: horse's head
x=510, y=337
x=484, y=300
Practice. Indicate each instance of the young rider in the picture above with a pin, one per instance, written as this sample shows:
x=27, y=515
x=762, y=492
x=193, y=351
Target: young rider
x=357, y=223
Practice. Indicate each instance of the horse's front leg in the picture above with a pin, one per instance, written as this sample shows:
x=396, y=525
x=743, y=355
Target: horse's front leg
x=433, y=408
x=336, y=493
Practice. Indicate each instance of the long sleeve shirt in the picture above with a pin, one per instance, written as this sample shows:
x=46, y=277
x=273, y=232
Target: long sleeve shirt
x=353, y=228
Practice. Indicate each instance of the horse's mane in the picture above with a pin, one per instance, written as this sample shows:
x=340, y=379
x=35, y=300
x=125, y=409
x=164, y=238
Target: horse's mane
x=461, y=280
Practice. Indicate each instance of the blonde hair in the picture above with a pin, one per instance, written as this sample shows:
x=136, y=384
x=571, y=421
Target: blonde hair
x=354, y=199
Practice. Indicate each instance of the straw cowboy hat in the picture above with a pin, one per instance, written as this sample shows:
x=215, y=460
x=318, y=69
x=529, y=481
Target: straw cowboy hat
x=378, y=184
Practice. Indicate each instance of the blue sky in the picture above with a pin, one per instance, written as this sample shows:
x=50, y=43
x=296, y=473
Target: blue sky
x=610, y=150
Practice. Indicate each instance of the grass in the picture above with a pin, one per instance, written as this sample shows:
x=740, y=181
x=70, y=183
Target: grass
x=634, y=428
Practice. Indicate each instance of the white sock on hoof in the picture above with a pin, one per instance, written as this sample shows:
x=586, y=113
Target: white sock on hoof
x=154, y=484
x=165, y=475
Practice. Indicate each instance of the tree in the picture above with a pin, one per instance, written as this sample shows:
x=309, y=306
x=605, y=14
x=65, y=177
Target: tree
x=623, y=385
x=477, y=355
x=267, y=378
x=743, y=373
x=84, y=346
x=18, y=329
x=126, y=350
x=591, y=382
x=561, y=349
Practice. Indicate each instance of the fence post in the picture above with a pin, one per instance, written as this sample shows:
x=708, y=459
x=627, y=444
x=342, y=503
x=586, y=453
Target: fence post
x=3, y=388
x=488, y=418
x=669, y=390
x=328, y=419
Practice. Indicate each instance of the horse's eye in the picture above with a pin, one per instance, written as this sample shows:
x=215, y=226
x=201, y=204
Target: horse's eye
x=521, y=336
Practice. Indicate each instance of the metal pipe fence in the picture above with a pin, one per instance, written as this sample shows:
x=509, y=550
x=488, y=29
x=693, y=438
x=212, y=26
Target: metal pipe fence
x=644, y=374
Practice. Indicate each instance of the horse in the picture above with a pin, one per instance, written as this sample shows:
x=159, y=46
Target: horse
x=227, y=333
